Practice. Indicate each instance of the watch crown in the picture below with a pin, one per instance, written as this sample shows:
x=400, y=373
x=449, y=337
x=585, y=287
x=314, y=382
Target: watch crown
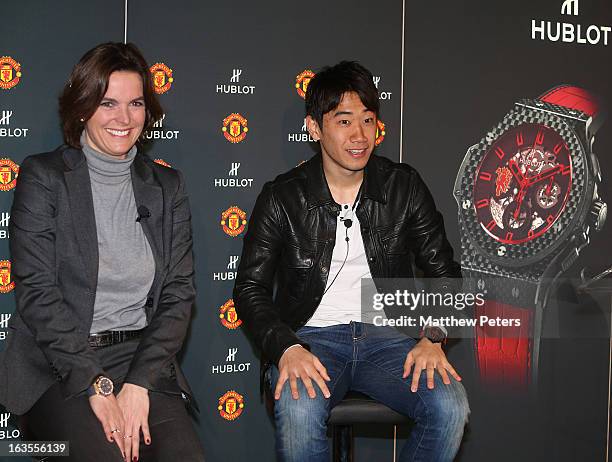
x=599, y=211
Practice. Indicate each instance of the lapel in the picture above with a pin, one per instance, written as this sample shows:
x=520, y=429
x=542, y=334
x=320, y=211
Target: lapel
x=372, y=180
x=148, y=193
x=316, y=184
x=76, y=175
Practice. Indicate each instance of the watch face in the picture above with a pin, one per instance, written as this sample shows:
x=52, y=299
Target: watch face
x=105, y=386
x=524, y=189
x=522, y=184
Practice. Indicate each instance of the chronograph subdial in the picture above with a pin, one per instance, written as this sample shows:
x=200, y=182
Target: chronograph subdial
x=522, y=183
x=546, y=195
x=515, y=220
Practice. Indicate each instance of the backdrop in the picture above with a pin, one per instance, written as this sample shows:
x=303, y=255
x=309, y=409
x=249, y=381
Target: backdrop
x=231, y=78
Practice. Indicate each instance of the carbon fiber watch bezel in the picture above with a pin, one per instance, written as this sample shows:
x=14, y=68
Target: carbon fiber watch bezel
x=568, y=124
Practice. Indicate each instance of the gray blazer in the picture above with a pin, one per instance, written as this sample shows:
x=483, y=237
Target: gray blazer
x=54, y=252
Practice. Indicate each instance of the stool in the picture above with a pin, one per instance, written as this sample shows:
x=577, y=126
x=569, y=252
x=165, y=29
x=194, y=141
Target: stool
x=357, y=408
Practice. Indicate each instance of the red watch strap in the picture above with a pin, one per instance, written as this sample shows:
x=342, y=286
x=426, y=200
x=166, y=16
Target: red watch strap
x=503, y=354
x=572, y=97
x=504, y=346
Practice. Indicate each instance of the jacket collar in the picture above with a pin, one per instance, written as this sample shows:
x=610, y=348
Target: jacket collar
x=318, y=190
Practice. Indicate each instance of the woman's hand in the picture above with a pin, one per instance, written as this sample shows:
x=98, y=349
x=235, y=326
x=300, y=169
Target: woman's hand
x=134, y=404
x=110, y=416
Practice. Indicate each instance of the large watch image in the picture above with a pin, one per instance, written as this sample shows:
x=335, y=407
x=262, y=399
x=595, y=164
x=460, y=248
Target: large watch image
x=528, y=200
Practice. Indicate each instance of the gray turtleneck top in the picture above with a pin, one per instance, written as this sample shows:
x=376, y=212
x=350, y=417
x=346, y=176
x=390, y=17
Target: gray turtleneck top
x=126, y=267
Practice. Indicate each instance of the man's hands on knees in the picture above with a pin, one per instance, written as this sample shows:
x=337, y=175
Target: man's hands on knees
x=428, y=356
x=299, y=363
x=110, y=416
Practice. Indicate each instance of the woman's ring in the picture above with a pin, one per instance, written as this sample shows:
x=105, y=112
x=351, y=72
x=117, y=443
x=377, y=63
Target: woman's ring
x=115, y=430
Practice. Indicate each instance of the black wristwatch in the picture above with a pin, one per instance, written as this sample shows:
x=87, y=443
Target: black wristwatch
x=528, y=197
x=433, y=334
x=102, y=386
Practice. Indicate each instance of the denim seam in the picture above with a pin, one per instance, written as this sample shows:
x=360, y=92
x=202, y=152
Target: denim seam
x=426, y=426
x=335, y=382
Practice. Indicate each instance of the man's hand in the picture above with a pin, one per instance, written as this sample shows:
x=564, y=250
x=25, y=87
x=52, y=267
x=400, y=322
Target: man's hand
x=299, y=363
x=134, y=404
x=108, y=413
x=429, y=356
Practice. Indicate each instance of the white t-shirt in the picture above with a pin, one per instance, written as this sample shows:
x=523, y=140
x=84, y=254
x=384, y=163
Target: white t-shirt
x=342, y=302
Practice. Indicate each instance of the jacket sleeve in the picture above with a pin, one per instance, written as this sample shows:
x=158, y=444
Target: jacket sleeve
x=38, y=298
x=253, y=290
x=433, y=253
x=164, y=336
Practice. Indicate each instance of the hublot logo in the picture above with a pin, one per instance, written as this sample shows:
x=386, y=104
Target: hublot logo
x=157, y=132
x=230, y=274
x=234, y=169
x=236, y=75
x=230, y=364
x=4, y=222
x=4, y=319
x=301, y=137
x=5, y=433
x=234, y=87
x=570, y=7
x=231, y=355
x=569, y=32
x=232, y=181
x=381, y=94
x=5, y=119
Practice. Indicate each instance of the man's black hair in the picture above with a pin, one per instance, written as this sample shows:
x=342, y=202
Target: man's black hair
x=326, y=89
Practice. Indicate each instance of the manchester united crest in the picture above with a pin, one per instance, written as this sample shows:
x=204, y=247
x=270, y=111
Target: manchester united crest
x=10, y=72
x=162, y=77
x=228, y=315
x=9, y=171
x=6, y=283
x=234, y=128
x=233, y=221
x=380, y=132
x=162, y=162
x=231, y=405
x=302, y=80
x=502, y=180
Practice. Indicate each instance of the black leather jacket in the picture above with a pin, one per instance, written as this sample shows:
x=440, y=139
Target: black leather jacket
x=289, y=243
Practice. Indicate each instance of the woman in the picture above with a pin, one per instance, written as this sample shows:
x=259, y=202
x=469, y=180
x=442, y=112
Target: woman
x=102, y=259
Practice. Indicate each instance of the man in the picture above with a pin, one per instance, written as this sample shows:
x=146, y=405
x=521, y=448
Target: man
x=315, y=232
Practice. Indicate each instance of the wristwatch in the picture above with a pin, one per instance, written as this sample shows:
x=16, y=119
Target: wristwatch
x=102, y=386
x=528, y=203
x=433, y=334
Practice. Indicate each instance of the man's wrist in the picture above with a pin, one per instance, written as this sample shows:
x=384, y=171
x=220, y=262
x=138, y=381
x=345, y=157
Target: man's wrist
x=434, y=334
x=289, y=348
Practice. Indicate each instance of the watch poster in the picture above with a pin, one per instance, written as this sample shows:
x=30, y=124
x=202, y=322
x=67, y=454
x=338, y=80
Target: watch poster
x=520, y=131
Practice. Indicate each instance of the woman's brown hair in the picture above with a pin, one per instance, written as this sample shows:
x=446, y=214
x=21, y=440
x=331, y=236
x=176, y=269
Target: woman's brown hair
x=88, y=83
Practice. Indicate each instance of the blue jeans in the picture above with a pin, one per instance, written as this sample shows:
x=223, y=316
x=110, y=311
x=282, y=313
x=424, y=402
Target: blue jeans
x=368, y=359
